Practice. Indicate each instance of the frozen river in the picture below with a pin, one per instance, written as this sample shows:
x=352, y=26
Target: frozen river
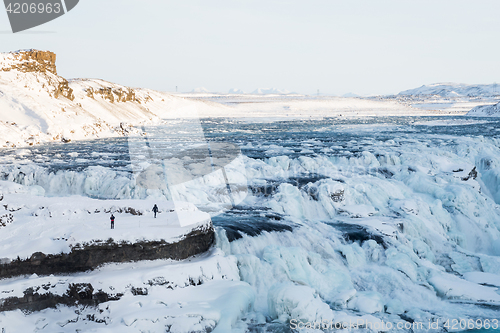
x=396, y=218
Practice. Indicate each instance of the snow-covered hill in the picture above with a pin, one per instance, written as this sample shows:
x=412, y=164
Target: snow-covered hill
x=451, y=90
x=235, y=91
x=485, y=111
x=38, y=105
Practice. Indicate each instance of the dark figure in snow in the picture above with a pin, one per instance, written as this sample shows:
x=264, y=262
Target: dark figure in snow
x=112, y=218
x=155, y=209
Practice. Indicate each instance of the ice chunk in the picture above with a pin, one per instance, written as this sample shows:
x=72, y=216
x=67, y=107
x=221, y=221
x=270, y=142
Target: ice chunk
x=401, y=262
x=342, y=298
x=288, y=301
x=367, y=302
x=452, y=287
x=394, y=306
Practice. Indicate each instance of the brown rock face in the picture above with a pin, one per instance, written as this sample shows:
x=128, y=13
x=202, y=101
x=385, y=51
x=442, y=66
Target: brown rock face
x=34, y=61
x=113, y=95
x=63, y=89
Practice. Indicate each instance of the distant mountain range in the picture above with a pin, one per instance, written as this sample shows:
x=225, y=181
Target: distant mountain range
x=270, y=91
x=235, y=91
x=262, y=91
x=259, y=91
x=448, y=90
x=350, y=94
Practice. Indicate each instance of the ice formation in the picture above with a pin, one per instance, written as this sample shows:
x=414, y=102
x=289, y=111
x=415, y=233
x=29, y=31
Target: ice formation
x=399, y=228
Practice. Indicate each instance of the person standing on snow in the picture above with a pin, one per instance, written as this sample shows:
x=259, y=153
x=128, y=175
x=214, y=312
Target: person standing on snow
x=155, y=209
x=112, y=218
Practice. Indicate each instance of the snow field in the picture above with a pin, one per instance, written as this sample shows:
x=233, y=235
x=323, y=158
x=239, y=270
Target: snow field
x=56, y=225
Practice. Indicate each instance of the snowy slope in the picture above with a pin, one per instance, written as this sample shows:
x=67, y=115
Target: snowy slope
x=485, y=111
x=37, y=105
x=455, y=90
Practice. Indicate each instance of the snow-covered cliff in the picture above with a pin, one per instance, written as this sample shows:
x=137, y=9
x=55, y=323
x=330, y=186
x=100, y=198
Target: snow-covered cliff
x=37, y=105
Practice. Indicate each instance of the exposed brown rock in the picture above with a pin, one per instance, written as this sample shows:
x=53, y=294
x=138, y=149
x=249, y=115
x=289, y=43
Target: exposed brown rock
x=90, y=92
x=113, y=95
x=106, y=93
x=34, y=61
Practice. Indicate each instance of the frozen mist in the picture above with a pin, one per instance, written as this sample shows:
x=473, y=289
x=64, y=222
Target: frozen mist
x=379, y=219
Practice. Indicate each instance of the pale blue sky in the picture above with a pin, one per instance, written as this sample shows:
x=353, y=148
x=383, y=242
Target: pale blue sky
x=360, y=46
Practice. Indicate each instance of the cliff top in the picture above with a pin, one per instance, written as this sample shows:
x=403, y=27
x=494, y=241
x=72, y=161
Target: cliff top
x=29, y=61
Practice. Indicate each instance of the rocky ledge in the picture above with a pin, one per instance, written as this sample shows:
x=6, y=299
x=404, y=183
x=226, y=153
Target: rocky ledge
x=91, y=256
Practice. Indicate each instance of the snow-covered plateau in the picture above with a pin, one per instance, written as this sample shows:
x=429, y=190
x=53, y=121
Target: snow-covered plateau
x=319, y=214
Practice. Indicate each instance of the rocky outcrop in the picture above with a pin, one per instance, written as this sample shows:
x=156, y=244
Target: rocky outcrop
x=6, y=219
x=43, y=62
x=32, y=61
x=113, y=95
x=64, y=90
x=88, y=257
x=39, y=298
